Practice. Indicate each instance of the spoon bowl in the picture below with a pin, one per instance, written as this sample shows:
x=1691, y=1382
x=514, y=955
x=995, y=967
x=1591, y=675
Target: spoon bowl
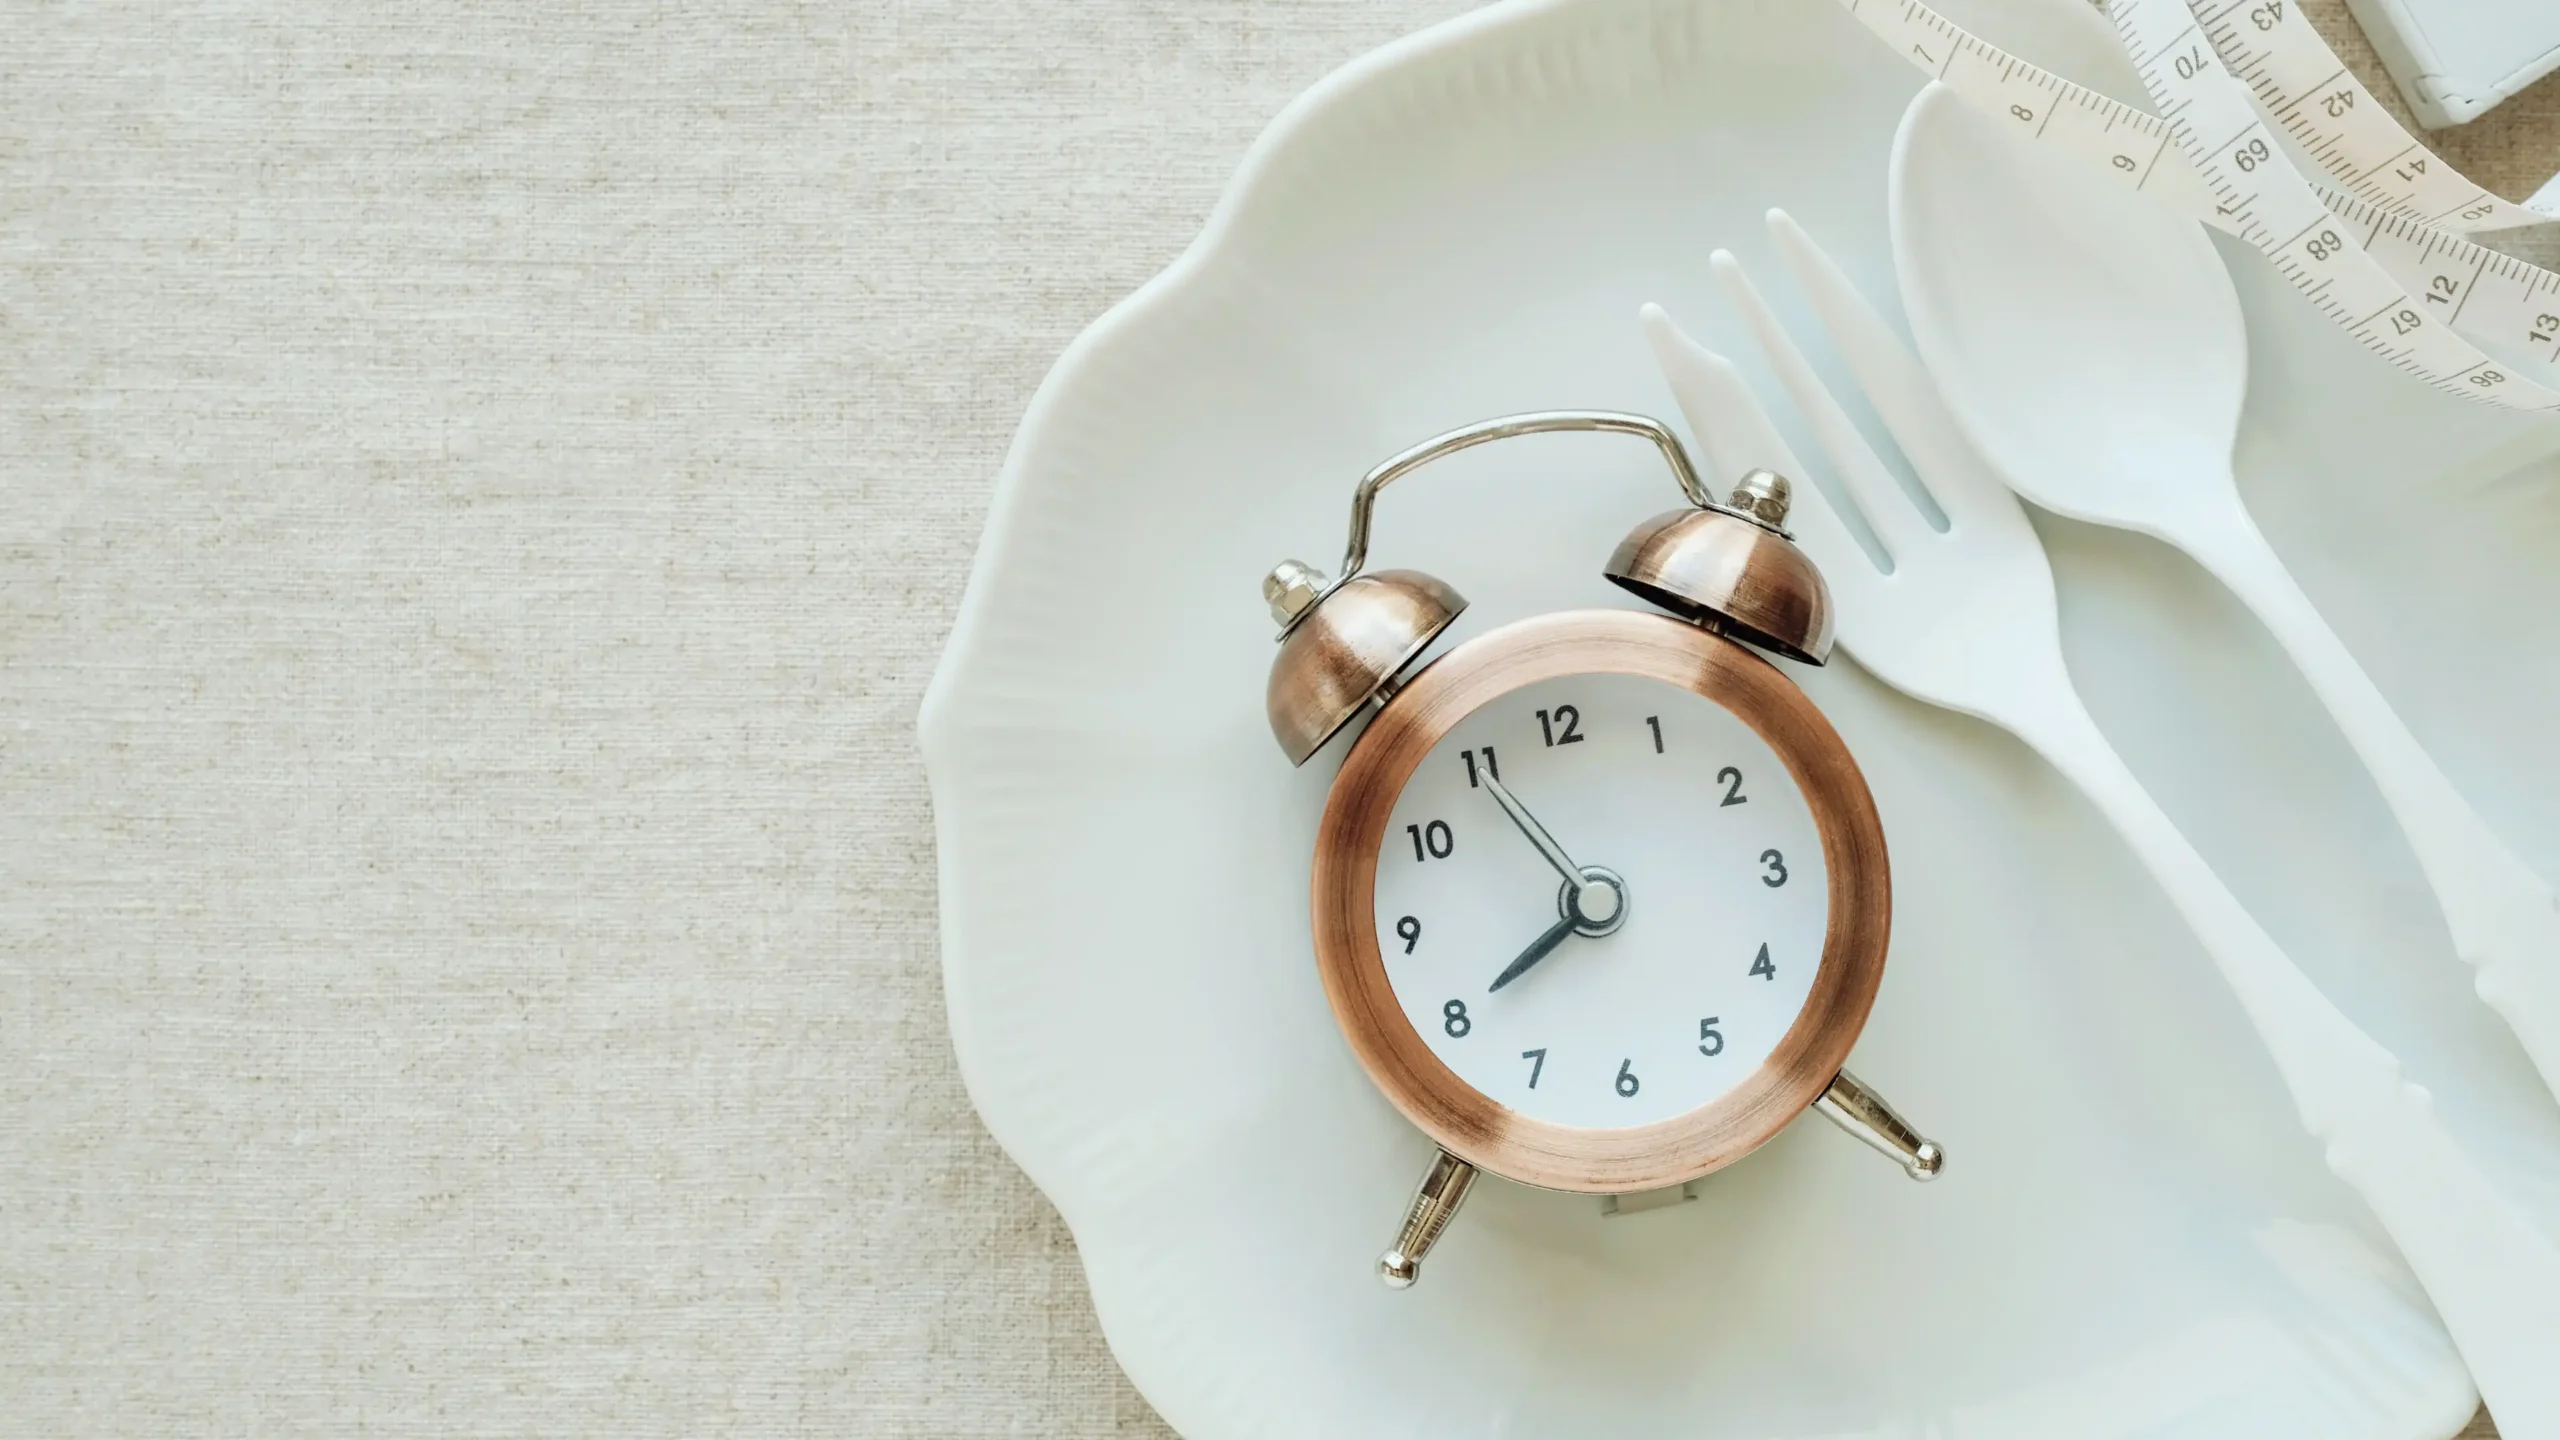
x=2098, y=327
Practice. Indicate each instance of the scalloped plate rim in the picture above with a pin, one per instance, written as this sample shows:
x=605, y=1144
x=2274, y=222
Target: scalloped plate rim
x=939, y=723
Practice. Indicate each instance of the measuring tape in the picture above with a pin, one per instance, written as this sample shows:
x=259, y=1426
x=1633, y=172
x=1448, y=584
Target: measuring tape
x=2379, y=249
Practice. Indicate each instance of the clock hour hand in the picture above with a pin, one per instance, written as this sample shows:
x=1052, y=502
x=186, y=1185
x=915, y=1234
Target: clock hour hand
x=1536, y=952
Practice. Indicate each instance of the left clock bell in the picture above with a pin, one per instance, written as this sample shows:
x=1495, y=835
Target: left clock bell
x=1600, y=899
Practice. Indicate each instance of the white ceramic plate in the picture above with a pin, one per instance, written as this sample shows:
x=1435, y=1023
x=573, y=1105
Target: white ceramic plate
x=2133, y=1237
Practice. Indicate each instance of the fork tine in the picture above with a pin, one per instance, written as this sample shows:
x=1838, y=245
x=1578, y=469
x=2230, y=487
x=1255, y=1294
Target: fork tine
x=1898, y=524
x=1732, y=429
x=1738, y=436
x=1897, y=385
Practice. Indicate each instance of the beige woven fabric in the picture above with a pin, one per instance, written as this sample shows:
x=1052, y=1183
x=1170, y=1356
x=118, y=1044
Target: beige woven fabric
x=481, y=489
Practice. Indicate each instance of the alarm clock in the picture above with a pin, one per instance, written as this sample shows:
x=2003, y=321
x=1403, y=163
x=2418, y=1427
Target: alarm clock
x=1600, y=899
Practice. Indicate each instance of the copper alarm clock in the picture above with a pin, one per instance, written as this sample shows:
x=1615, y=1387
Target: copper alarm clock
x=1600, y=899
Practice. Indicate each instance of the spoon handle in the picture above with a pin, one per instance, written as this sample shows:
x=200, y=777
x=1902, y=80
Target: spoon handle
x=2493, y=1276
x=2502, y=915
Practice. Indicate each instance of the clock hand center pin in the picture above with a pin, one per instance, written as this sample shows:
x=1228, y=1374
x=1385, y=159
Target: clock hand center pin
x=1592, y=902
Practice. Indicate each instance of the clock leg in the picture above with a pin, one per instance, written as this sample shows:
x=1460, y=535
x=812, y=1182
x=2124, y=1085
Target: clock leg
x=1443, y=1189
x=1862, y=1112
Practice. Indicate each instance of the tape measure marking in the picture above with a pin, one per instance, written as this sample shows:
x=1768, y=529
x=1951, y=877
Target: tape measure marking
x=2262, y=192
x=2273, y=48
x=2375, y=255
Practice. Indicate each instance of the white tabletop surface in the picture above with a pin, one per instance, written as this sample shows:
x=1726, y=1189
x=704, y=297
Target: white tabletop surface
x=485, y=487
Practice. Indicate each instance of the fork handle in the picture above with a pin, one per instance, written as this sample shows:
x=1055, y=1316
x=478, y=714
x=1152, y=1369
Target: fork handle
x=2502, y=916
x=2494, y=1277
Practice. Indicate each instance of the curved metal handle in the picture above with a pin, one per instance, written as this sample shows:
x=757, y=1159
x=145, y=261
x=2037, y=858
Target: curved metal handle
x=1356, y=553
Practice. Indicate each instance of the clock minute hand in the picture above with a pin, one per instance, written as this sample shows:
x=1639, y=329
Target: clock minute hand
x=1595, y=899
x=1537, y=951
x=1536, y=832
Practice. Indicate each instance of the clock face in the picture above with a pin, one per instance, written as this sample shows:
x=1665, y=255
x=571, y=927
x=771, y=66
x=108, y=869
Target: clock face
x=1669, y=969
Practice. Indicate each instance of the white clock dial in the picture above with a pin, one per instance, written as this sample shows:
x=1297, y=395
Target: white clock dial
x=1687, y=949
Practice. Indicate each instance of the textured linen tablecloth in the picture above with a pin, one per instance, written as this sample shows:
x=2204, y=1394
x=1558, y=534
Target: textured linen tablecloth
x=485, y=485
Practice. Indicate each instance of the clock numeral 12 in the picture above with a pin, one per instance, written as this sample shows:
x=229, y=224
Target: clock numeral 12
x=1564, y=727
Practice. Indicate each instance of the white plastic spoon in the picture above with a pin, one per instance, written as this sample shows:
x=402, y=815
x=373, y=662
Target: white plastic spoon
x=2090, y=344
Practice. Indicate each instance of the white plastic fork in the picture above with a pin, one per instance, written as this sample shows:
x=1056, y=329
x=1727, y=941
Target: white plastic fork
x=1967, y=620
